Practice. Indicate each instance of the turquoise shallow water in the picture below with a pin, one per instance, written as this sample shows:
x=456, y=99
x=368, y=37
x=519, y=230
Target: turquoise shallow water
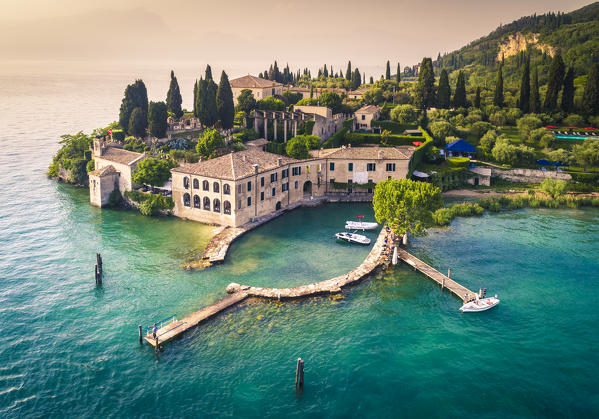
x=395, y=346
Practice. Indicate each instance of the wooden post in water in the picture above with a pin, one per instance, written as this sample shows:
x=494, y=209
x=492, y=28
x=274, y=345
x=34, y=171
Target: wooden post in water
x=299, y=375
x=98, y=276
x=140, y=335
x=449, y=273
x=99, y=262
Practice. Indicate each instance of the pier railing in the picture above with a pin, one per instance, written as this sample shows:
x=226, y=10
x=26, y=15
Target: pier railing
x=160, y=324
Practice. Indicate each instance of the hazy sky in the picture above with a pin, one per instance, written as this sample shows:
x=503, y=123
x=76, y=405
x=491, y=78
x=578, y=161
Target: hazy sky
x=254, y=32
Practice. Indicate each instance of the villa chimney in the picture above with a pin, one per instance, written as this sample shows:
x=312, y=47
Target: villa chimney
x=279, y=161
x=244, y=158
x=255, y=166
x=349, y=145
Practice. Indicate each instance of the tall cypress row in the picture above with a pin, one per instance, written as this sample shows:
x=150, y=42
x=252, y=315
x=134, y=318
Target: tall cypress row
x=568, y=91
x=555, y=81
x=525, y=88
x=173, y=97
x=444, y=91
x=590, y=98
x=224, y=102
x=498, y=98
x=459, y=98
x=535, y=99
x=195, y=99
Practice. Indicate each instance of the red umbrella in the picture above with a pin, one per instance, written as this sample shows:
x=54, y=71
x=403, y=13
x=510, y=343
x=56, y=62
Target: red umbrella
x=417, y=143
x=359, y=216
x=551, y=126
x=589, y=128
x=571, y=127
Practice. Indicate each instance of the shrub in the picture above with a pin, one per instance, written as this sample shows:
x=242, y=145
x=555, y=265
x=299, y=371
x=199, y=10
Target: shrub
x=498, y=118
x=442, y=216
x=547, y=140
x=440, y=130
x=574, y=120
x=458, y=161
x=155, y=203
x=553, y=188
x=528, y=123
x=404, y=114
x=91, y=166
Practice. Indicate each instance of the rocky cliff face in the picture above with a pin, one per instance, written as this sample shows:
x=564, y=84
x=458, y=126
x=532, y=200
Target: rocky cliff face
x=513, y=44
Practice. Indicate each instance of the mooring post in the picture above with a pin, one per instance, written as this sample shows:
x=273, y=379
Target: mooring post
x=299, y=375
x=443, y=283
x=157, y=347
x=449, y=273
x=140, y=335
x=99, y=262
x=98, y=276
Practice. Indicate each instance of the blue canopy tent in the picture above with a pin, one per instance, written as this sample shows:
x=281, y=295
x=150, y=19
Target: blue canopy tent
x=460, y=148
x=543, y=162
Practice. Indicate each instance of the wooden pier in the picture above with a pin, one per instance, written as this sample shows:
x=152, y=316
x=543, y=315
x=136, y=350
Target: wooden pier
x=176, y=328
x=460, y=291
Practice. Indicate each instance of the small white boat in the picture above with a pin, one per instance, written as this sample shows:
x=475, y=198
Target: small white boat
x=352, y=238
x=360, y=225
x=480, y=303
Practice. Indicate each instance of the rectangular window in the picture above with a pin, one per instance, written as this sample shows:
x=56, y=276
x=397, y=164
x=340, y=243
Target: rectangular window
x=363, y=117
x=296, y=171
x=249, y=201
x=262, y=181
x=285, y=174
x=239, y=187
x=285, y=186
x=332, y=181
x=274, y=191
x=331, y=166
x=296, y=184
x=273, y=177
x=238, y=204
x=390, y=167
x=370, y=167
x=249, y=186
x=261, y=196
x=350, y=167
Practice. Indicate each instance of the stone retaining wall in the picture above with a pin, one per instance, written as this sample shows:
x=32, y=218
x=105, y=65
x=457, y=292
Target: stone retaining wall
x=529, y=175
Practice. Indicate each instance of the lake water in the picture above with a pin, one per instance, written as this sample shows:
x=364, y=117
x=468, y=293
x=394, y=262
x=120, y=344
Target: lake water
x=394, y=346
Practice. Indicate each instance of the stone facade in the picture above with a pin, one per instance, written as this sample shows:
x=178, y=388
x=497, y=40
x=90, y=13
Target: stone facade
x=261, y=88
x=364, y=116
x=235, y=189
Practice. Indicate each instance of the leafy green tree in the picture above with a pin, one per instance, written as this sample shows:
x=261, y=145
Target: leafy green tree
x=298, y=147
x=553, y=188
x=270, y=103
x=138, y=122
x=487, y=142
x=406, y=206
x=136, y=96
x=444, y=91
x=398, y=74
x=561, y=155
x=590, y=98
x=480, y=128
x=152, y=171
x=574, y=120
x=555, y=81
x=498, y=98
x=525, y=88
x=459, y=98
x=173, y=97
x=425, y=89
x=224, y=102
x=208, y=142
x=440, y=130
x=157, y=116
x=535, y=98
x=246, y=101
x=404, y=114
x=477, y=97
x=587, y=153
x=388, y=71
x=331, y=100
x=528, y=123
x=568, y=91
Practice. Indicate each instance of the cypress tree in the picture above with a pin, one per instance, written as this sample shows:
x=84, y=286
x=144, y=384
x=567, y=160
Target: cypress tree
x=138, y=122
x=590, y=97
x=173, y=97
x=371, y=80
x=388, y=71
x=555, y=81
x=136, y=96
x=398, y=74
x=157, y=115
x=498, y=96
x=195, y=98
x=477, y=98
x=425, y=89
x=459, y=98
x=535, y=99
x=348, y=72
x=356, y=79
x=568, y=92
x=208, y=75
x=444, y=91
x=525, y=88
x=224, y=102
x=325, y=71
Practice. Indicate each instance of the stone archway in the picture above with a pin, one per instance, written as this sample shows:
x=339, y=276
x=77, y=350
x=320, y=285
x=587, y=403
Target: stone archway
x=278, y=206
x=308, y=188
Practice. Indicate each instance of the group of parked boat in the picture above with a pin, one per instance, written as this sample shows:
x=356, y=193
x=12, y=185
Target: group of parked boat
x=354, y=237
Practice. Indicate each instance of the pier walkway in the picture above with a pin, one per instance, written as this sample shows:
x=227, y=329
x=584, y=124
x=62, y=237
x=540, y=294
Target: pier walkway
x=460, y=291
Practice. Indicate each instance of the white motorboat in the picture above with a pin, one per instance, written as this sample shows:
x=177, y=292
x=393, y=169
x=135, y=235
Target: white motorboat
x=360, y=225
x=480, y=302
x=352, y=238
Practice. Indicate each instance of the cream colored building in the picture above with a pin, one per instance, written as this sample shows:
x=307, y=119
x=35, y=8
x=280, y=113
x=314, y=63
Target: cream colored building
x=234, y=189
x=356, y=94
x=261, y=88
x=364, y=116
x=113, y=169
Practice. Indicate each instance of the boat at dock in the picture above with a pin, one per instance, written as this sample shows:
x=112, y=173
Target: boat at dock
x=352, y=238
x=480, y=303
x=360, y=224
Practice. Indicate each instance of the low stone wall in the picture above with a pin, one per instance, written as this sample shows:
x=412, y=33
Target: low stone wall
x=528, y=175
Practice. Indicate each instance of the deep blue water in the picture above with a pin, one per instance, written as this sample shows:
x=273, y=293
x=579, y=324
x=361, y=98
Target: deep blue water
x=394, y=346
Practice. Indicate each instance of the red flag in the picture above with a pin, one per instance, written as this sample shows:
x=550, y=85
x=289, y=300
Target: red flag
x=110, y=131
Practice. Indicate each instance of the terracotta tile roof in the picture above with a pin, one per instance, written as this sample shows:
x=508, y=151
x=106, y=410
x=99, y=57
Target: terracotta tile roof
x=105, y=171
x=248, y=82
x=357, y=92
x=257, y=143
x=365, y=153
x=235, y=165
x=118, y=155
x=368, y=109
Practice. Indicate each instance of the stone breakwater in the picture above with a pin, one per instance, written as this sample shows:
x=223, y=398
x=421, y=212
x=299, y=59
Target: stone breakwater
x=217, y=248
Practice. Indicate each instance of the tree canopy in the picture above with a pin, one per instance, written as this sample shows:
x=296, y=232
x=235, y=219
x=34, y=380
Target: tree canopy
x=136, y=96
x=246, y=101
x=224, y=102
x=209, y=142
x=406, y=206
x=298, y=147
x=173, y=97
x=152, y=171
x=425, y=89
x=554, y=83
x=138, y=122
x=498, y=98
x=157, y=116
x=444, y=91
x=459, y=98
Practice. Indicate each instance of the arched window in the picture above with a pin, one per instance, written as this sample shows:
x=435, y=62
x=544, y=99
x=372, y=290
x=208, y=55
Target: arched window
x=205, y=185
x=215, y=187
x=196, y=202
x=186, y=199
x=196, y=184
x=216, y=205
x=227, y=207
x=207, y=203
x=226, y=189
x=186, y=182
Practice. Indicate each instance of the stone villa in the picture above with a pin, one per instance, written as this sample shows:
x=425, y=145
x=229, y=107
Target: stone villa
x=261, y=88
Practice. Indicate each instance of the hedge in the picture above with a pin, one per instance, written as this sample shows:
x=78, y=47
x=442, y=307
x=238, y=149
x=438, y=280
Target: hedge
x=276, y=148
x=118, y=134
x=420, y=151
x=458, y=161
x=393, y=126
